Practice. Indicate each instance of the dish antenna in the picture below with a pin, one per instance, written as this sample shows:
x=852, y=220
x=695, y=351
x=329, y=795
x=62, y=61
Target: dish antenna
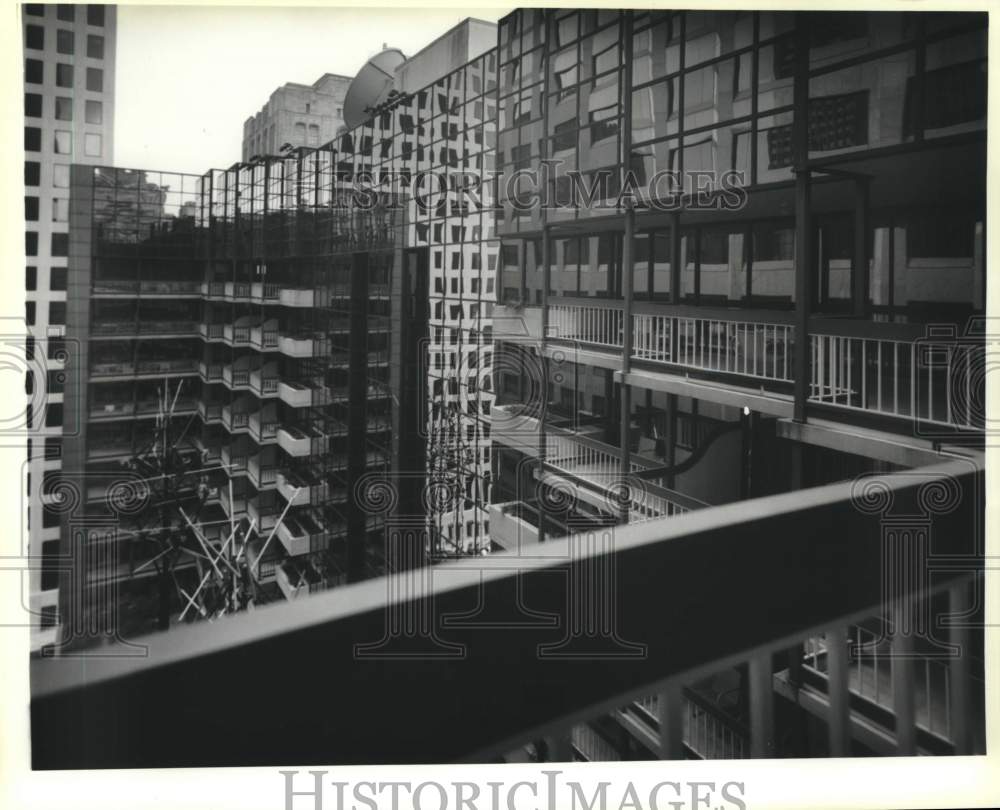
x=372, y=86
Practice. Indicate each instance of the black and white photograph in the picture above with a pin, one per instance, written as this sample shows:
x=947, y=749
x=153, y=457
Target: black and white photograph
x=589, y=395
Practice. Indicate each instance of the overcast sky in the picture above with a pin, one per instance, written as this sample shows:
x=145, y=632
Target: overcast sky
x=188, y=76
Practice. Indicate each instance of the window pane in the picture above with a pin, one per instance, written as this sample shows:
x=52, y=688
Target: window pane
x=31, y=209
x=30, y=278
x=57, y=278
x=32, y=172
x=34, y=37
x=33, y=105
x=32, y=139
x=95, y=15
x=64, y=75
x=95, y=46
x=66, y=11
x=64, y=109
x=60, y=209
x=92, y=145
x=60, y=176
x=64, y=41
x=60, y=244
x=63, y=142
x=34, y=71
x=94, y=112
x=95, y=79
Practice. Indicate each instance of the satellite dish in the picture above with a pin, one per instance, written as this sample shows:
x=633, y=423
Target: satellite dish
x=371, y=86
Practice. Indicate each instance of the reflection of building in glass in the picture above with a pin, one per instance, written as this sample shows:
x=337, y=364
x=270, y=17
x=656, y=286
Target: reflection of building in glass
x=298, y=115
x=705, y=356
x=300, y=343
x=69, y=113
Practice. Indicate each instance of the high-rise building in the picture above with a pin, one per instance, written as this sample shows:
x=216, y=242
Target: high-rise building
x=69, y=110
x=283, y=336
x=739, y=284
x=297, y=115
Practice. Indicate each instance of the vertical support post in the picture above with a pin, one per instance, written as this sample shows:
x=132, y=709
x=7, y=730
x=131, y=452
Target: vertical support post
x=803, y=224
x=761, y=707
x=675, y=257
x=543, y=364
x=671, y=438
x=626, y=388
x=958, y=697
x=839, y=723
x=670, y=709
x=861, y=269
x=903, y=703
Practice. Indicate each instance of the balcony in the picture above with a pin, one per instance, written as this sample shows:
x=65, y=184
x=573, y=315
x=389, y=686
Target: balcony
x=300, y=534
x=210, y=372
x=297, y=580
x=263, y=293
x=210, y=412
x=236, y=335
x=292, y=297
x=265, y=518
x=509, y=529
x=111, y=370
x=904, y=372
x=791, y=567
x=235, y=420
x=212, y=331
x=160, y=368
x=298, y=346
x=236, y=379
x=170, y=289
x=213, y=289
x=234, y=462
x=261, y=476
x=264, y=384
x=298, y=395
x=114, y=288
x=235, y=508
x=296, y=443
x=299, y=492
x=237, y=291
x=168, y=328
x=264, y=431
x=264, y=337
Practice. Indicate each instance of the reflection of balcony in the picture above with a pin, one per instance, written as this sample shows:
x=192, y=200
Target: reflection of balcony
x=261, y=476
x=210, y=372
x=299, y=492
x=172, y=327
x=261, y=293
x=163, y=367
x=235, y=463
x=235, y=420
x=211, y=412
x=298, y=395
x=263, y=568
x=291, y=297
x=265, y=517
x=236, y=335
x=213, y=289
x=264, y=337
x=112, y=370
x=296, y=443
x=212, y=331
x=169, y=289
x=236, y=378
x=301, y=534
x=235, y=508
x=298, y=346
x=264, y=385
x=113, y=328
x=263, y=432
x=297, y=580
x=237, y=290
x=109, y=287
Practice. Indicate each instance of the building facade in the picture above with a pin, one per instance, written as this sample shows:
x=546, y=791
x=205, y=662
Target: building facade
x=291, y=336
x=297, y=115
x=69, y=109
x=742, y=253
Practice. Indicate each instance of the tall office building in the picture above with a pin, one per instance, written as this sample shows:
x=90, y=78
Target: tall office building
x=811, y=313
x=298, y=115
x=69, y=94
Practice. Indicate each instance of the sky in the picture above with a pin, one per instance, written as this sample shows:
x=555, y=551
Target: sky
x=189, y=76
